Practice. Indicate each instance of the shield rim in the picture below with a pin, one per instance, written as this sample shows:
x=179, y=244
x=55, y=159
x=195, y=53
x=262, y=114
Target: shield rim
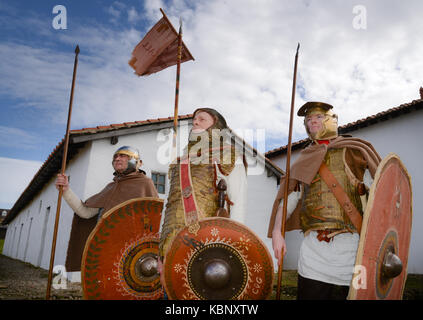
x=97, y=226
x=352, y=294
x=221, y=219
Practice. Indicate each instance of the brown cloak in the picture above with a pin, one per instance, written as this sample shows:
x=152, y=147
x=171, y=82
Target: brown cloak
x=360, y=155
x=133, y=185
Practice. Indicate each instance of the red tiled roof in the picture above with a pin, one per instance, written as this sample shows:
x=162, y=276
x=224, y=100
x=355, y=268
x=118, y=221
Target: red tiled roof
x=53, y=162
x=116, y=126
x=365, y=122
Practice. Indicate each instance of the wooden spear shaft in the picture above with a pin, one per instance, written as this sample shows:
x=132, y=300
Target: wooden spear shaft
x=59, y=199
x=287, y=171
x=178, y=73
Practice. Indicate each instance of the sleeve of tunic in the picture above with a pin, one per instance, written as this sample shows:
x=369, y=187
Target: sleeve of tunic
x=78, y=206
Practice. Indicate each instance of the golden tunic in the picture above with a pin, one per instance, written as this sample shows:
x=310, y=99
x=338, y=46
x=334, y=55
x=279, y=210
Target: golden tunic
x=319, y=208
x=203, y=176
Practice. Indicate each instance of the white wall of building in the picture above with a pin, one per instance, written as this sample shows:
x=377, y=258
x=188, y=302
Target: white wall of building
x=293, y=238
x=261, y=194
x=403, y=136
x=35, y=224
x=29, y=235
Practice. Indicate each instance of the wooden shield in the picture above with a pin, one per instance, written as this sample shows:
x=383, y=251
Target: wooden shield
x=224, y=260
x=381, y=263
x=120, y=256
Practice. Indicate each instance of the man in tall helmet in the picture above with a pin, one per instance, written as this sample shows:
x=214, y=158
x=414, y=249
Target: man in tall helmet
x=129, y=182
x=331, y=168
x=211, y=157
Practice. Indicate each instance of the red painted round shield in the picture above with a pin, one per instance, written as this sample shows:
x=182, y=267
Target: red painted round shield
x=381, y=263
x=224, y=260
x=120, y=256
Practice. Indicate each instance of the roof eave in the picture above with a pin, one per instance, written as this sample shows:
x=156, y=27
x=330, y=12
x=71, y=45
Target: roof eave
x=392, y=113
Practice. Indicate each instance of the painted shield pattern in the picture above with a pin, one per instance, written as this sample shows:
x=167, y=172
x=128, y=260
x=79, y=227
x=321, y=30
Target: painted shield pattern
x=224, y=260
x=120, y=256
x=381, y=263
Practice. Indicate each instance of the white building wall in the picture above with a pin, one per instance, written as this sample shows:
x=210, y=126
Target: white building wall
x=154, y=147
x=293, y=238
x=37, y=221
x=261, y=193
x=403, y=136
x=91, y=170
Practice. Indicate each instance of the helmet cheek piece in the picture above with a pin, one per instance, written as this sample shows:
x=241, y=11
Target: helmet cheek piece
x=134, y=158
x=329, y=127
x=132, y=166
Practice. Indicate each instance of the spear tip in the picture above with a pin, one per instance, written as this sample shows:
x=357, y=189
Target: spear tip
x=298, y=47
x=77, y=49
x=180, y=25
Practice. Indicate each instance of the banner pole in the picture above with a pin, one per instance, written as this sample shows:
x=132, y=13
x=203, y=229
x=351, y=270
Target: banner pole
x=178, y=73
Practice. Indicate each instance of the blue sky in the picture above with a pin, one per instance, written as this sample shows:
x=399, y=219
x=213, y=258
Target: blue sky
x=35, y=123
x=363, y=57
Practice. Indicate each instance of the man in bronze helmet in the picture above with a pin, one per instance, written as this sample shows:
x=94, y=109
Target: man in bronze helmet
x=331, y=229
x=211, y=157
x=129, y=182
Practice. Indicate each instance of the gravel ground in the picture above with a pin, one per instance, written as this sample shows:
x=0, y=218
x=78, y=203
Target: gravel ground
x=23, y=281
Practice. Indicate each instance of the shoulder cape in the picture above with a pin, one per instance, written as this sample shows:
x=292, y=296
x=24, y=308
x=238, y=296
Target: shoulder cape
x=133, y=185
x=307, y=165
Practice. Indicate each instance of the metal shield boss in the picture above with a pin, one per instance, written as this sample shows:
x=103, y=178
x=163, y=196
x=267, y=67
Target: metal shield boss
x=381, y=263
x=120, y=256
x=224, y=260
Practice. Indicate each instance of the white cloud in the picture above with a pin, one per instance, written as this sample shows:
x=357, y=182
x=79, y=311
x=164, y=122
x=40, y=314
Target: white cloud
x=15, y=175
x=244, y=53
x=12, y=137
x=38, y=77
x=133, y=15
x=115, y=11
x=244, y=56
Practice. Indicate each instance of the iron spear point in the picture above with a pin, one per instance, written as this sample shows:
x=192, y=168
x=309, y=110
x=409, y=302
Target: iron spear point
x=77, y=49
x=180, y=25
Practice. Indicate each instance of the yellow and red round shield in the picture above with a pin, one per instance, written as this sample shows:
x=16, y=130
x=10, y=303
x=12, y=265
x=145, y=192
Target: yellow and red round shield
x=120, y=256
x=223, y=260
x=381, y=263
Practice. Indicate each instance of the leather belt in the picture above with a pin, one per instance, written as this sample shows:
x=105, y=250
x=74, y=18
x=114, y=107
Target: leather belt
x=341, y=196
